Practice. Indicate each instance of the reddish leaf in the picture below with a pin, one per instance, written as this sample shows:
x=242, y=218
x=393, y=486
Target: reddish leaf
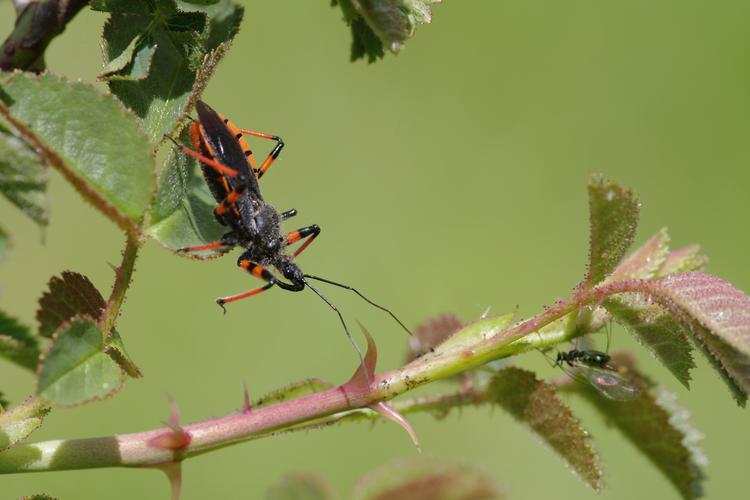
x=719, y=318
x=422, y=478
x=69, y=295
x=684, y=259
x=645, y=261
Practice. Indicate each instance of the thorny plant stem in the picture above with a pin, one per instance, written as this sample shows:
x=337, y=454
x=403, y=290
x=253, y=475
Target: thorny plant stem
x=139, y=449
x=124, y=275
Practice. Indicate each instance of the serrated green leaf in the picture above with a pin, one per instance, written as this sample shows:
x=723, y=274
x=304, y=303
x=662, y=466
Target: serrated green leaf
x=300, y=487
x=20, y=421
x=534, y=403
x=682, y=260
x=69, y=295
x=658, y=331
x=182, y=212
x=422, y=478
x=134, y=61
x=23, y=177
x=75, y=370
x=291, y=391
x=188, y=45
x=116, y=350
x=88, y=136
x=659, y=428
x=17, y=344
x=614, y=219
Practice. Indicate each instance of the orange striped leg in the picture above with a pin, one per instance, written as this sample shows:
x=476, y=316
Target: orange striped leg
x=222, y=169
x=228, y=240
x=272, y=155
x=257, y=271
x=310, y=232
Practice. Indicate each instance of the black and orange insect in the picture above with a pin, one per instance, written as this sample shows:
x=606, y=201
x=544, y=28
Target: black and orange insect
x=230, y=170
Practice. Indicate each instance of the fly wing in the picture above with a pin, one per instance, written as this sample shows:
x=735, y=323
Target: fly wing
x=609, y=383
x=225, y=148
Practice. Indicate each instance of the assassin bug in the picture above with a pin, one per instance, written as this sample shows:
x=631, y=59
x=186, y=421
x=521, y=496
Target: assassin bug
x=230, y=170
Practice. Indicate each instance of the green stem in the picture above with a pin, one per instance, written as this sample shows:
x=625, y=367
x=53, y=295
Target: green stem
x=124, y=275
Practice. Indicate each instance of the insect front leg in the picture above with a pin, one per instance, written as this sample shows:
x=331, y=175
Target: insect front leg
x=259, y=272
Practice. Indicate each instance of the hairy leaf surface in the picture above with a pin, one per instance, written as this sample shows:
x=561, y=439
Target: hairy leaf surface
x=660, y=429
x=533, y=402
x=614, y=219
x=20, y=421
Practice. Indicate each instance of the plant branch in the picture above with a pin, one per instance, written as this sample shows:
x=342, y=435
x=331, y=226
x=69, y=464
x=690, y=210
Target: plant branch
x=37, y=23
x=145, y=448
x=123, y=277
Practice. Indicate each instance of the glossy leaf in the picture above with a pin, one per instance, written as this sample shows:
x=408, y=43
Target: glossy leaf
x=20, y=421
x=87, y=135
x=71, y=294
x=292, y=391
x=75, y=370
x=420, y=478
x=17, y=344
x=535, y=404
x=614, y=219
x=300, y=487
x=23, y=177
x=660, y=429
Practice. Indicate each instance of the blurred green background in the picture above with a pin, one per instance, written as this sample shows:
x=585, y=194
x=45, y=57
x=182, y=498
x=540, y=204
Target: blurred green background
x=449, y=178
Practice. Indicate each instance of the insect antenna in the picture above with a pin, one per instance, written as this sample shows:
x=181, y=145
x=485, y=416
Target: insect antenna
x=341, y=317
x=347, y=287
